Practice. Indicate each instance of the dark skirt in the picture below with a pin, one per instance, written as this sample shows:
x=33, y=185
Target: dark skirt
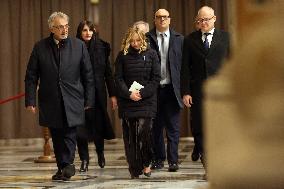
x=137, y=137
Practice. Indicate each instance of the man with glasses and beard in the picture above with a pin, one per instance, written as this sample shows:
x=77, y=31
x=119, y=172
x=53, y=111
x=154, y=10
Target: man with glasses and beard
x=60, y=68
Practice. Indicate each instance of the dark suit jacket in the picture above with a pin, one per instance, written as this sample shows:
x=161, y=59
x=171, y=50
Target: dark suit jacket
x=198, y=64
x=70, y=79
x=174, y=58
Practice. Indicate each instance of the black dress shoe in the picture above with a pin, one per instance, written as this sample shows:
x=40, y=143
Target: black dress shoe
x=57, y=176
x=101, y=159
x=157, y=164
x=195, y=154
x=68, y=171
x=84, y=166
x=173, y=167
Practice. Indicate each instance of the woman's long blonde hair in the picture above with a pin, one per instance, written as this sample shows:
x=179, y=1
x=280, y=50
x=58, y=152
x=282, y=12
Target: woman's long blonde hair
x=126, y=41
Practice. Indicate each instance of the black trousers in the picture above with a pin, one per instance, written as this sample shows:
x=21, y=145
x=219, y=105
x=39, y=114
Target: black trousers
x=168, y=118
x=196, y=120
x=64, y=145
x=138, y=143
x=91, y=132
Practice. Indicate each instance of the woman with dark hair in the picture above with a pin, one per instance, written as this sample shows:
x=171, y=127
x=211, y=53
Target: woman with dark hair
x=98, y=126
x=137, y=76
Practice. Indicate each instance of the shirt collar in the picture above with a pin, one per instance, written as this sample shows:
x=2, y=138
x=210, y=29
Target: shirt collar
x=167, y=32
x=211, y=31
x=56, y=41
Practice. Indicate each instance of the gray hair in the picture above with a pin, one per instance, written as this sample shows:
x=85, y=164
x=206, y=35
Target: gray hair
x=146, y=24
x=55, y=15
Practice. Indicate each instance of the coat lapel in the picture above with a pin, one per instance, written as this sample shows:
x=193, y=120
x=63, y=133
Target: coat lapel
x=215, y=40
x=52, y=53
x=152, y=34
x=172, y=38
x=199, y=43
x=65, y=52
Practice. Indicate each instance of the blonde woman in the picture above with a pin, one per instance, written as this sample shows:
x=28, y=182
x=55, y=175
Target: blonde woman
x=137, y=105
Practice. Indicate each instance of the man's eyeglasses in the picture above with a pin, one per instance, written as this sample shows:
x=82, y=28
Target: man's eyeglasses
x=160, y=17
x=200, y=20
x=62, y=27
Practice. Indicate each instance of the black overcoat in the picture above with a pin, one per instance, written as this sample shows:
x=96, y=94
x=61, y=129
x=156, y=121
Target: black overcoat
x=66, y=82
x=174, y=58
x=99, y=51
x=200, y=64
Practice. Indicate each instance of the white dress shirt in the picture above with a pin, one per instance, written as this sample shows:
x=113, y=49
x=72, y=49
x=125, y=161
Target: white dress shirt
x=209, y=37
x=164, y=56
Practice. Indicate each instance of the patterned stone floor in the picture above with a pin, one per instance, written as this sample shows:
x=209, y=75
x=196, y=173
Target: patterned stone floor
x=18, y=170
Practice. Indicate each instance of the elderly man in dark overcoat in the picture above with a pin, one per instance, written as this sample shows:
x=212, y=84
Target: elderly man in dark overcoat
x=203, y=54
x=59, y=66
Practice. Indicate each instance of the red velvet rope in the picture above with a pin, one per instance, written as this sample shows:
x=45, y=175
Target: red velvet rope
x=12, y=98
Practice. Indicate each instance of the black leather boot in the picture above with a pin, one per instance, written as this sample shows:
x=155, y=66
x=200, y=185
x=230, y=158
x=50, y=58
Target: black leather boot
x=84, y=166
x=101, y=159
x=195, y=154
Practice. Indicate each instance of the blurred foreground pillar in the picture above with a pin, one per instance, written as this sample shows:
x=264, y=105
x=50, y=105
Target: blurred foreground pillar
x=244, y=112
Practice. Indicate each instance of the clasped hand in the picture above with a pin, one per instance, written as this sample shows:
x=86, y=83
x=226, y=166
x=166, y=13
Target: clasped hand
x=135, y=95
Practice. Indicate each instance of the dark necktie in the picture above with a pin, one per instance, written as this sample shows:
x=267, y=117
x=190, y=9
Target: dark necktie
x=206, y=42
x=163, y=54
x=162, y=43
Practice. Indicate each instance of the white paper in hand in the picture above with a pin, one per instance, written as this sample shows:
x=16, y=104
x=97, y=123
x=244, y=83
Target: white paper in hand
x=135, y=86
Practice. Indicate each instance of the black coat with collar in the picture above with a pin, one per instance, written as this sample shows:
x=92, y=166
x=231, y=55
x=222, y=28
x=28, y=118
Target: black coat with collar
x=99, y=51
x=66, y=82
x=199, y=63
x=174, y=58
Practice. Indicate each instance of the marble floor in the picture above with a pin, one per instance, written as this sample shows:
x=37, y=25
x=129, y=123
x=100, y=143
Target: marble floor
x=18, y=170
